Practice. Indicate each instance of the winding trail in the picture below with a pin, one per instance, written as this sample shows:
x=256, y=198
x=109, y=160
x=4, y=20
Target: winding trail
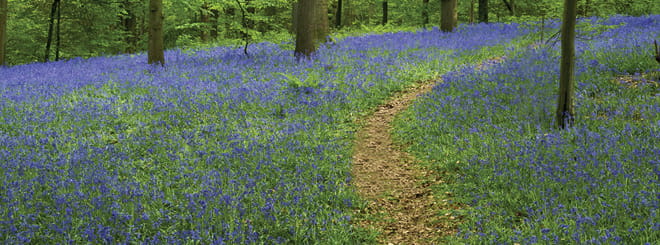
x=400, y=202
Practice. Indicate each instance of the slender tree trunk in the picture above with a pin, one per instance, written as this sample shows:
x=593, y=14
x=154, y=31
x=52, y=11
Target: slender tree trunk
x=305, y=28
x=247, y=26
x=449, y=16
x=514, y=12
x=483, y=11
x=205, y=19
x=565, y=110
x=384, y=22
x=471, y=11
x=510, y=5
x=338, y=15
x=156, y=47
x=425, y=13
x=49, y=40
x=57, y=32
x=4, y=12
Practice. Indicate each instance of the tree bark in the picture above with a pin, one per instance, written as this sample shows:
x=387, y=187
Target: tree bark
x=305, y=28
x=510, y=6
x=349, y=12
x=205, y=20
x=514, y=12
x=156, y=47
x=384, y=22
x=425, y=13
x=483, y=11
x=449, y=16
x=49, y=40
x=57, y=32
x=321, y=21
x=3, y=31
x=471, y=11
x=565, y=109
x=338, y=15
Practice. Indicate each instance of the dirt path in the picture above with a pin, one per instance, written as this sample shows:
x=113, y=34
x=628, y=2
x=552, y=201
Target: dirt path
x=400, y=203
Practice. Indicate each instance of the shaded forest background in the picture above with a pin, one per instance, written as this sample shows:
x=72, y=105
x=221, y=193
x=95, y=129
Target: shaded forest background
x=87, y=28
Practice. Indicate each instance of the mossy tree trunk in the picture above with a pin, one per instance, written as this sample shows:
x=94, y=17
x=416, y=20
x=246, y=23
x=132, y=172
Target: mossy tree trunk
x=156, y=47
x=565, y=110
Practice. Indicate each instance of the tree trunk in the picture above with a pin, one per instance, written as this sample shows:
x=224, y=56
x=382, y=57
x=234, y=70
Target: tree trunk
x=305, y=28
x=57, y=32
x=205, y=20
x=449, y=16
x=247, y=25
x=384, y=22
x=514, y=12
x=483, y=11
x=565, y=111
x=3, y=31
x=349, y=12
x=156, y=48
x=425, y=13
x=338, y=15
x=49, y=40
x=510, y=6
x=471, y=11
x=321, y=21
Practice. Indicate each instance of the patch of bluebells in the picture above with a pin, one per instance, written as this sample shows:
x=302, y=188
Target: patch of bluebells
x=526, y=182
x=216, y=147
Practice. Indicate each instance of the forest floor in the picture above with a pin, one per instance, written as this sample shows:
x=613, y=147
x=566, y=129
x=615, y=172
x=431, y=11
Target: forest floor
x=400, y=203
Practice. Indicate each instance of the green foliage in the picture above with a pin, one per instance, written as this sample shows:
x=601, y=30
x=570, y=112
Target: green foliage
x=310, y=82
x=91, y=28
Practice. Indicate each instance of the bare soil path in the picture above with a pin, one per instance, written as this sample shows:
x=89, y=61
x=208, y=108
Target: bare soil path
x=401, y=204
